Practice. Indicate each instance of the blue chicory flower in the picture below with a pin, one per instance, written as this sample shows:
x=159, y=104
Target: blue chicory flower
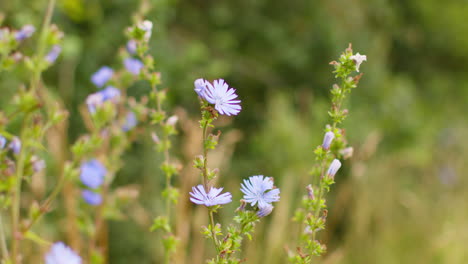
x=130, y=122
x=15, y=145
x=133, y=65
x=200, y=87
x=61, y=254
x=95, y=100
x=334, y=167
x=222, y=97
x=25, y=32
x=327, y=140
x=131, y=46
x=92, y=173
x=110, y=93
x=264, y=210
x=91, y=198
x=212, y=198
x=53, y=54
x=102, y=75
x=3, y=142
x=260, y=190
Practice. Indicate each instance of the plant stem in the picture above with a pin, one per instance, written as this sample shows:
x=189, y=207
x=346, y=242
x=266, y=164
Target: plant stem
x=210, y=212
x=3, y=240
x=205, y=156
x=16, y=201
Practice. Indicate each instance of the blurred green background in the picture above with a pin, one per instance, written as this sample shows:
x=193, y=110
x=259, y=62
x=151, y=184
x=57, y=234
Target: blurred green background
x=402, y=198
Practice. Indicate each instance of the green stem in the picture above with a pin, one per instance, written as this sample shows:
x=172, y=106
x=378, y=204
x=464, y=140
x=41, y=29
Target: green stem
x=3, y=240
x=205, y=156
x=16, y=201
x=213, y=234
x=45, y=205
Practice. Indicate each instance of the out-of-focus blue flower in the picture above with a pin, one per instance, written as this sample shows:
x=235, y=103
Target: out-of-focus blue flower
x=37, y=164
x=264, y=210
x=15, y=145
x=53, y=54
x=334, y=167
x=110, y=93
x=133, y=65
x=3, y=142
x=212, y=198
x=222, y=97
x=95, y=100
x=92, y=173
x=25, y=32
x=103, y=75
x=200, y=87
x=327, y=140
x=59, y=253
x=91, y=197
x=260, y=190
x=131, y=46
x=130, y=122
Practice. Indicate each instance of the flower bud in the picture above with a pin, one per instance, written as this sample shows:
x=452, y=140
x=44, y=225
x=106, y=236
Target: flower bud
x=327, y=140
x=15, y=145
x=131, y=46
x=310, y=192
x=25, y=32
x=265, y=210
x=53, y=54
x=172, y=120
x=347, y=152
x=334, y=167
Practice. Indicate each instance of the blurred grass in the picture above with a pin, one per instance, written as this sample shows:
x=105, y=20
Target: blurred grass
x=402, y=198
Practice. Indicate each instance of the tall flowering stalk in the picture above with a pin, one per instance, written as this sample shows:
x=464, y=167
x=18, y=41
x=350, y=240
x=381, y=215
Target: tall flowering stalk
x=217, y=98
x=313, y=213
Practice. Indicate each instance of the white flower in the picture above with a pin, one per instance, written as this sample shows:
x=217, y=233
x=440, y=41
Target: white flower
x=358, y=59
x=146, y=26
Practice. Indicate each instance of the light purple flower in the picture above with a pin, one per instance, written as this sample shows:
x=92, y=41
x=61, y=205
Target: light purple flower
x=95, y=100
x=91, y=197
x=327, y=140
x=53, y=54
x=37, y=164
x=110, y=93
x=132, y=65
x=3, y=142
x=264, y=210
x=103, y=75
x=60, y=253
x=200, y=87
x=260, y=190
x=334, y=167
x=222, y=97
x=212, y=198
x=92, y=173
x=25, y=32
x=15, y=145
x=131, y=46
x=130, y=122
